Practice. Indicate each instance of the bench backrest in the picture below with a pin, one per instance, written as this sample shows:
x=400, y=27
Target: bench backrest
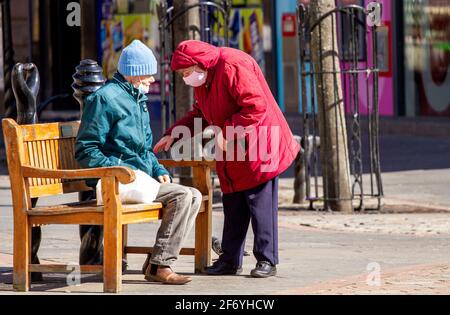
x=48, y=146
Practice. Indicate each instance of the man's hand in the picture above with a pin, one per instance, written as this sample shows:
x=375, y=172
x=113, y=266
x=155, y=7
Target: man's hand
x=165, y=179
x=163, y=144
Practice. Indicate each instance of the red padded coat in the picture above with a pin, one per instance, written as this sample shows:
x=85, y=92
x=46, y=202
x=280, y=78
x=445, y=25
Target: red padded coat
x=236, y=94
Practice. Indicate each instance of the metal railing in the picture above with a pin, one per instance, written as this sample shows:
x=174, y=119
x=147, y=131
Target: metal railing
x=214, y=16
x=359, y=74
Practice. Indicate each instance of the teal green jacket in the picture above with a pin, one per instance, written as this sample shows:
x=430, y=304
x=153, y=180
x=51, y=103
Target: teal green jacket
x=115, y=130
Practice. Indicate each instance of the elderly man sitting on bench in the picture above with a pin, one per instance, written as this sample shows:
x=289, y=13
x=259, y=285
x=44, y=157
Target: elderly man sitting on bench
x=115, y=131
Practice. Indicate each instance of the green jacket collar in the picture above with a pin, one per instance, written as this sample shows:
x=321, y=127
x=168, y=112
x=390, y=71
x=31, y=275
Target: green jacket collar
x=129, y=88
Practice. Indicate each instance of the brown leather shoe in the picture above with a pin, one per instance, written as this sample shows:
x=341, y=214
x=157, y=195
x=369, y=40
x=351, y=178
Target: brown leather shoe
x=170, y=278
x=173, y=278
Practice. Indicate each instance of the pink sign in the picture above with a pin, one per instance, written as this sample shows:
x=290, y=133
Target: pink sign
x=363, y=81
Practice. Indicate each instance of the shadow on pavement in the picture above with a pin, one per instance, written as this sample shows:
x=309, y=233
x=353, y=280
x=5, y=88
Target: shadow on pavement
x=6, y=279
x=51, y=281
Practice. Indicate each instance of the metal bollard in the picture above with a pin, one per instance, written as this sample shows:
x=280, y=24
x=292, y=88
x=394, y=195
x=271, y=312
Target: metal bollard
x=306, y=151
x=88, y=78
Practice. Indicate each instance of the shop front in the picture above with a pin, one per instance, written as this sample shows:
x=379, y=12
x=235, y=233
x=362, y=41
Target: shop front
x=427, y=57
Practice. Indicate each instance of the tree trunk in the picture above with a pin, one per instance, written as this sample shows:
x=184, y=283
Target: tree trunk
x=184, y=95
x=333, y=130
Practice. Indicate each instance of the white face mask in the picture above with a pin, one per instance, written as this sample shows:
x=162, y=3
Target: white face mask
x=144, y=89
x=196, y=79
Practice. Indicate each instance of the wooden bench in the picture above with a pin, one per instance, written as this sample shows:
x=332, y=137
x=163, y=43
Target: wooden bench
x=41, y=163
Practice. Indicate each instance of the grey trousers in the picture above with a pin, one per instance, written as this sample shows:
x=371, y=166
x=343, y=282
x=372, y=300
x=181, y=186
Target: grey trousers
x=181, y=206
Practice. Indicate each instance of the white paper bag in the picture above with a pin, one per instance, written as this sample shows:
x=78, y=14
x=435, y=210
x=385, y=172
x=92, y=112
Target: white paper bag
x=143, y=190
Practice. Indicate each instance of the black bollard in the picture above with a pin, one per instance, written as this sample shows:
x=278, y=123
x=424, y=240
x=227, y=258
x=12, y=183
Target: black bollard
x=87, y=79
x=25, y=81
x=308, y=147
x=299, y=171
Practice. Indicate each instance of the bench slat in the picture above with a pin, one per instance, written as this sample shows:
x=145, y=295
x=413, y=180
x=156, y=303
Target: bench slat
x=142, y=216
x=58, y=189
x=172, y=163
x=148, y=250
x=80, y=207
x=60, y=130
x=86, y=218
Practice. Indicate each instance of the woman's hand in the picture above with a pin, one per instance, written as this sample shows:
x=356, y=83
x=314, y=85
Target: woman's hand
x=163, y=144
x=222, y=143
x=165, y=179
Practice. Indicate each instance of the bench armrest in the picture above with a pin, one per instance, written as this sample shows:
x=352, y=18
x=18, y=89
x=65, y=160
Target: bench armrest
x=124, y=175
x=203, y=163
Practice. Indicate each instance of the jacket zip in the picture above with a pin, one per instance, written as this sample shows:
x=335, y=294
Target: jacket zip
x=142, y=128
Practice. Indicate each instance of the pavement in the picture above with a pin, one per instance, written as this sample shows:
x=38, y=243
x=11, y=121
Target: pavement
x=312, y=261
x=402, y=249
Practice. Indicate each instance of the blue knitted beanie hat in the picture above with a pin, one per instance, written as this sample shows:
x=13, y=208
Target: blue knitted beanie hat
x=137, y=60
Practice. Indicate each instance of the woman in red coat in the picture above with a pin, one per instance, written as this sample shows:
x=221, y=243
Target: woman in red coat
x=232, y=94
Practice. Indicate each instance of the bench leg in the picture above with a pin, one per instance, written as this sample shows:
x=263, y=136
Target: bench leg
x=112, y=259
x=22, y=254
x=112, y=234
x=203, y=223
x=203, y=236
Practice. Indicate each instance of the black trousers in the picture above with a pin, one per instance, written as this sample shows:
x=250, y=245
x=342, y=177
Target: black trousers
x=260, y=207
x=91, y=236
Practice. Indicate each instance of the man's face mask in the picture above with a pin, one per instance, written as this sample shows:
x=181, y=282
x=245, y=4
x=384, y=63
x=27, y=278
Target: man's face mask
x=144, y=89
x=196, y=79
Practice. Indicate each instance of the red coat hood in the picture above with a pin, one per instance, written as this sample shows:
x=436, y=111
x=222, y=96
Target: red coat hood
x=193, y=52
